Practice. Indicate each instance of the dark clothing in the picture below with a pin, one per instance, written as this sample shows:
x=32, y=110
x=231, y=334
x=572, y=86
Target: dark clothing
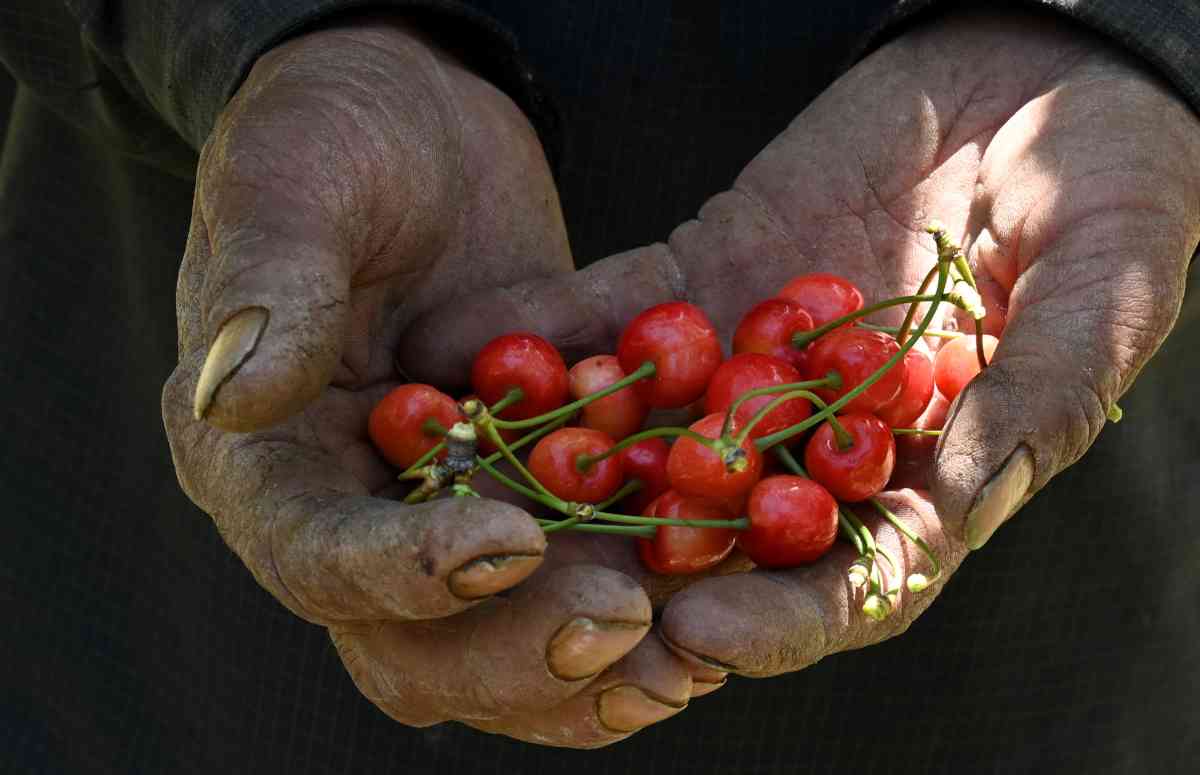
x=134, y=641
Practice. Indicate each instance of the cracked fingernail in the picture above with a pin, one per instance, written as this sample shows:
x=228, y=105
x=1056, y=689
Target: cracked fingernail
x=584, y=647
x=628, y=709
x=235, y=343
x=1000, y=497
x=486, y=576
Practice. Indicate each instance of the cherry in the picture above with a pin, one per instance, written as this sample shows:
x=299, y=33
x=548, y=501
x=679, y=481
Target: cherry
x=914, y=453
x=524, y=361
x=697, y=470
x=860, y=471
x=397, y=423
x=681, y=342
x=915, y=392
x=824, y=297
x=748, y=371
x=620, y=414
x=645, y=461
x=681, y=550
x=958, y=362
x=793, y=521
x=855, y=354
x=554, y=463
x=768, y=328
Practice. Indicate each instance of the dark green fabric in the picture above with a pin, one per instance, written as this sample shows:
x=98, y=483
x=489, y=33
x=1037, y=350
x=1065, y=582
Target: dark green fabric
x=133, y=640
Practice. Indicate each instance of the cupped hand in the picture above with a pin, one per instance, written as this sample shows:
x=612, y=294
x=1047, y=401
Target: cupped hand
x=361, y=177
x=1071, y=174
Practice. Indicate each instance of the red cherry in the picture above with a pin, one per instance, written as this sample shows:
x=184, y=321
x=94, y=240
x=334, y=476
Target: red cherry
x=855, y=354
x=553, y=463
x=645, y=461
x=862, y=470
x=824, y=297
x=696, y=470
x=676, y=551
x=768, y=328
x=620, y=414
x=524, y=361
x=958, y=362
x=681, y=342
x=396, y=424
x=748, y=371
x=793, y=521
x=914, y=454
x=915, y=392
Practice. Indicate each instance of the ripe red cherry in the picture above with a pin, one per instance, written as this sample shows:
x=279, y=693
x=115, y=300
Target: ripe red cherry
x=748, y=371
x=397, y=423
x=915, y=393
x=680, y=550
x=824, y=297
x=524, y=361
x=914, y=454
x=554, y=463
x=768, y=328
x=958, y=362
x=681, y=342
x=862, y=470
x=855, y=354
x=620, y=414
x=696, y=470
x=645, y=461
x=793, y=521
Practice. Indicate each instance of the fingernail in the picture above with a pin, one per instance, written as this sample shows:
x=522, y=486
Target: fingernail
x=583, y=647
x=1000, y=497
x=234, y=344
x=628, y=709
x=486, y=576
x=701, y=688
x=700, y=665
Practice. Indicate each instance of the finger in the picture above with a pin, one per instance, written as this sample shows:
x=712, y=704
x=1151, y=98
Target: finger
x=1096, y=280
x=765, y=623
x=527, y=651
x=649, y=685
x=311, y=533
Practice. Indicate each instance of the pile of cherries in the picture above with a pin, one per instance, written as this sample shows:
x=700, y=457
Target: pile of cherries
x=859, y=403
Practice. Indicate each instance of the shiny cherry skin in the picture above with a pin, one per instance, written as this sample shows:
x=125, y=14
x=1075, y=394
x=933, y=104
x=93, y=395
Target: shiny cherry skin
x=858, y=472
x=681, y=342
x=957, y=363
x=696, y=470
x=397, y=423
x=554, y=462
x=914, y=454
x=524, y=361
x=749, y=371
x=823, y=296
x=768, y=329
x=677, y=551
x=855, y=354
x=645, y=461
x=620, y=414
x=793, y=521
x=915, y=392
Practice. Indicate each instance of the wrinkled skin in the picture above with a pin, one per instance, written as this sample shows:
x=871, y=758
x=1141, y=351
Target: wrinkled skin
x=360, y=178
x=1071, y=175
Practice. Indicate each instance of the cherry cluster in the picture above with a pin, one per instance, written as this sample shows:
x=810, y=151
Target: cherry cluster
x=861, y=404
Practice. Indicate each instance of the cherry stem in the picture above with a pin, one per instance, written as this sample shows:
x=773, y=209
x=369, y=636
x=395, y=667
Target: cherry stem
x=845, y=527
x=983, y=362
x=895, y=331
x=510, y=398
x=911, y=314
x=591, y=527
x=769, y=441
x=494, y=436
x=915, y=432
x=831, y=380
x=432, y=427
x=549, y=500
x=627, y=489
x=647, y=369
x=802, y=339
x=529, y=438
x=741, y=523
x=844, y=440
x=584, y=462
x=908, y=533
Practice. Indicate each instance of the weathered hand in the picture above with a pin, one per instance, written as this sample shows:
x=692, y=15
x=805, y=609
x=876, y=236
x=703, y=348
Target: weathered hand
x=1073, y=177
x=360, y=178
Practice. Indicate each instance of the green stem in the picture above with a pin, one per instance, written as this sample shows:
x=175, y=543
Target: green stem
x=902, y=331
x=529, y=438
x=647, y=369
x=908, y=533
x=548, y=500
x=627, y=489
x=831, y=380
x=895, y=331
x=432, y=427
x=979, y=354
x=844, y=440
x=591, y=527
x=802, y=339
x=915, y=432
x=510, y=398
x=741, y=523
x=768, y=441
x=554, y=527
x=495, y=437
x=583, y=462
